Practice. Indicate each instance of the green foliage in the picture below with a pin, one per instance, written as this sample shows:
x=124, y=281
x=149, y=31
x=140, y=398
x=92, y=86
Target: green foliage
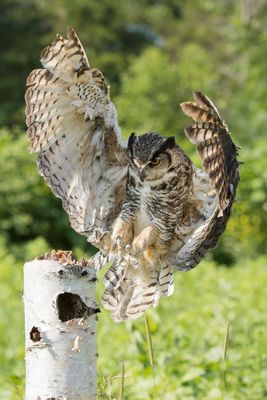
x=188, y=334
x=23, y=27
x=147, y=88
x=28, y=210
x=11, y=327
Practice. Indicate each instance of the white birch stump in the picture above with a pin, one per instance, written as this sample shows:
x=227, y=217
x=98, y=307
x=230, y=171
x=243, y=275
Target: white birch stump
x=60, y=327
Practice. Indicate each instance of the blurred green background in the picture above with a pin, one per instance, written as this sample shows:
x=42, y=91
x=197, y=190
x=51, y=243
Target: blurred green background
x=153, y=54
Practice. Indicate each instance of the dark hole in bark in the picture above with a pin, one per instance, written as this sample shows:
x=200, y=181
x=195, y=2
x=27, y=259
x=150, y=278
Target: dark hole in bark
x=70, y=306
x=35, y=334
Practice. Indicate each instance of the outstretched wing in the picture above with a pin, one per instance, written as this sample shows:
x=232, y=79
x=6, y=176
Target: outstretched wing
x=72, y=125
x=214, y=189
x=214, y=145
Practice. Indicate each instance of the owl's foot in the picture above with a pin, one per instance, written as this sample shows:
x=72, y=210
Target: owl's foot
x=154, y=255
x=144, y=240
x=121, y=236
x=150, y=255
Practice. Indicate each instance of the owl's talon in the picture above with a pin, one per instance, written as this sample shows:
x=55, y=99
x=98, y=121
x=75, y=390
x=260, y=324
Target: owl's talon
x=119, y=245
x=128, y=258
x=128, y=247
x=121, y=235
x=113, y=246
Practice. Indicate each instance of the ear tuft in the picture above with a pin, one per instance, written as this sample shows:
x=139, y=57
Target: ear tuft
x=131, y=141
x=169, y=142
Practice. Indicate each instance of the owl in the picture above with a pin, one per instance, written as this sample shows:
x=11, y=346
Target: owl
x=144, y=204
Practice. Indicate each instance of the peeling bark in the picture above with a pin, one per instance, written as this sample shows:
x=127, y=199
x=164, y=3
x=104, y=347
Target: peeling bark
x=60, y=327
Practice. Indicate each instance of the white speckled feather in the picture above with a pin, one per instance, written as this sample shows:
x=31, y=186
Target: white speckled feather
x=72, y=124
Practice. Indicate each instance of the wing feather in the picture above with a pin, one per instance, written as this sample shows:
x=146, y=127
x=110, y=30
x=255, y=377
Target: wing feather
x=212, y=138
x=214, y=188
x=72, y=125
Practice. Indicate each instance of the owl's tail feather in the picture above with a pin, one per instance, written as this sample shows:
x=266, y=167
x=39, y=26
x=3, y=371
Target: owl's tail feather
x=99, y=260
x=131, y=290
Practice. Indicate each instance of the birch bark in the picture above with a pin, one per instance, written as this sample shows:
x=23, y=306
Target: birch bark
x=60, y=328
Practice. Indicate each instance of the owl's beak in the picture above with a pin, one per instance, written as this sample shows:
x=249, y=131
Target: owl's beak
x=142, y=174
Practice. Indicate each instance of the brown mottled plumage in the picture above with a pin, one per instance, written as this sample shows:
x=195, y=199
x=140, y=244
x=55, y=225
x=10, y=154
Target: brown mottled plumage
x=144, y=205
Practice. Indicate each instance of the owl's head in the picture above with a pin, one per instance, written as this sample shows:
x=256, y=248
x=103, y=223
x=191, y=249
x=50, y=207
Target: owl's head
x=150, y=155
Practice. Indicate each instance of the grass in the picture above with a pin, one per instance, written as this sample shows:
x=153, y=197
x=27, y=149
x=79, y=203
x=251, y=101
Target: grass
x=122, y=381
x=207, y=341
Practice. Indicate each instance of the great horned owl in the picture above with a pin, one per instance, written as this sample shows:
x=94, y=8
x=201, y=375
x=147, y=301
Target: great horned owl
x=144, y=204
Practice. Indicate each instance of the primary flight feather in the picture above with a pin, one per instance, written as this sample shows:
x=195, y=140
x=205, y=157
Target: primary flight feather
x=143, y=203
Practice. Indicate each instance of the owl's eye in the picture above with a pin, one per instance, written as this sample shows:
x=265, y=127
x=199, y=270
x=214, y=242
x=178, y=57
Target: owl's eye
x=155, y=162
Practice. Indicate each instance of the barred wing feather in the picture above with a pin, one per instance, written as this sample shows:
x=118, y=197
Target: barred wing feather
x=72, y=125
x=214, y=145
x=214, y=188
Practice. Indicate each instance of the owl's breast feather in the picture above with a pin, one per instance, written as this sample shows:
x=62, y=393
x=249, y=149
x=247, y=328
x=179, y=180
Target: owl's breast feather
x=141, y=222
x=142, y=219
